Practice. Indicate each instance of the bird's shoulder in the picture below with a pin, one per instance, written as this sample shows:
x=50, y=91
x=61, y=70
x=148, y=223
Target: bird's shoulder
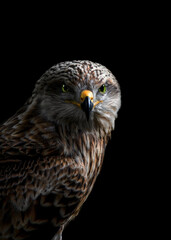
x=27, y=135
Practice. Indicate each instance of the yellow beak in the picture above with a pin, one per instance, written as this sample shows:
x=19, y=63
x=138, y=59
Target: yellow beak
x=84, y=94
x=86, y=101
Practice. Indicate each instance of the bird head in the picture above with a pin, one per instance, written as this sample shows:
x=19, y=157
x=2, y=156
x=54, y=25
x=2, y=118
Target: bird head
x=80, y=92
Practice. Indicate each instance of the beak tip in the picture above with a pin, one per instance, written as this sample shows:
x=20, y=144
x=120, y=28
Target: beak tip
x=87, y=106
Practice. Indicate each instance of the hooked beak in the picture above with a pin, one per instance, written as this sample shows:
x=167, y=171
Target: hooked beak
x=87, y=102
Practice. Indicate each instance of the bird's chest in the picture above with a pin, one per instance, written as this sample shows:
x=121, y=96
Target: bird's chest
x=81, y=162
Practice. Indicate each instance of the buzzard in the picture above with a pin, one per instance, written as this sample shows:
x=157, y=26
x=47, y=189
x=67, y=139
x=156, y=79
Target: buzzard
x=52, y=149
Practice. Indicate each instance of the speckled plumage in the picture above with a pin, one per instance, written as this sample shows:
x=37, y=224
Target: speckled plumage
x=50, y=154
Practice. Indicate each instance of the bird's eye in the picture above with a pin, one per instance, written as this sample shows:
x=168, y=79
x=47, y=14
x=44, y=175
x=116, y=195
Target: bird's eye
x=102, y=89
x=65, y=88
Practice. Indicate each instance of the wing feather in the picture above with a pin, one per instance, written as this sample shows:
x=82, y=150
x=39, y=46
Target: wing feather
x=38, y=185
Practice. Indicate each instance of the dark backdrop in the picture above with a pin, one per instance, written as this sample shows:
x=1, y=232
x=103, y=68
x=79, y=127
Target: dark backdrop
x=120, y=205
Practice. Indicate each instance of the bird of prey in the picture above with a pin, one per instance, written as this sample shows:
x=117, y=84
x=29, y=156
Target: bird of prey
x=52, y=149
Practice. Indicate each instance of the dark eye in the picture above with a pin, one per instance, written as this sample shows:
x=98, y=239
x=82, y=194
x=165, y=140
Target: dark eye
x=65, y=88
x=102, y=89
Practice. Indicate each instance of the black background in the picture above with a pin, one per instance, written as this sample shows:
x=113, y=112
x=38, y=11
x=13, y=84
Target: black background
x=121, y=204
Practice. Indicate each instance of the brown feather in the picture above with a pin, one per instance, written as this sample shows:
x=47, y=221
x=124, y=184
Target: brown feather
x=50, y=159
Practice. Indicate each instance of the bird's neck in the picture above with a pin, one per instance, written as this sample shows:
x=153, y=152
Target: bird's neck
x=85, y=146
